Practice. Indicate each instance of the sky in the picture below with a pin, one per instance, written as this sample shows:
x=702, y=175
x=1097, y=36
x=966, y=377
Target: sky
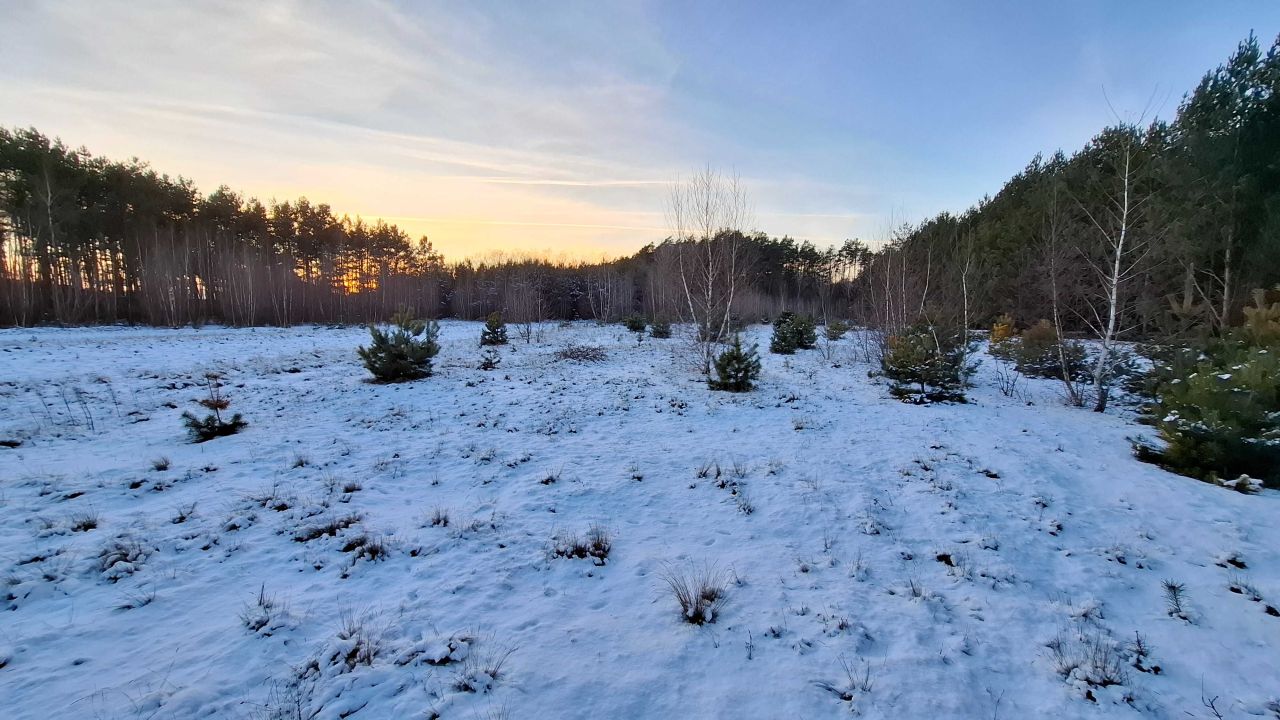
x=557, y=129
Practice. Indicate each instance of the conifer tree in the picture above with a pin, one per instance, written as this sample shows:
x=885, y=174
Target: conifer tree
x=213, y=426
x=402, y=352
x=805, y=331
x=1218, y=406
x=495, y=330
x=1002, y=329
x=926, y=364
x=736, y=368
x=635, y=323
x=783, y=341
x=836, y=329
x=793, y=332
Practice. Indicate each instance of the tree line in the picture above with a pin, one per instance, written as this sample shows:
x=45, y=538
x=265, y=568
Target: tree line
x=1150, y=229
x=85, y=239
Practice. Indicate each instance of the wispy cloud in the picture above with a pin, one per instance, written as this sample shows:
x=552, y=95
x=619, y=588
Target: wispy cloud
x=525, y=125
x=473, y=126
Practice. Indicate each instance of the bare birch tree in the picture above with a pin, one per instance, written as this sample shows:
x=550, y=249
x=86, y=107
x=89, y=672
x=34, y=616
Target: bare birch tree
x=1123, y=249
x=707, y=214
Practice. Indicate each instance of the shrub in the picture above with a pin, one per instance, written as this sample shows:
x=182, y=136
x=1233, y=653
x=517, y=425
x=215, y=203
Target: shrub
x=582, y=353
x=1040, y=353
x=926, y=364
x=1262, y=321
x=635, y=323
x=490, y=359
x=736, y=369
x=783, y=340
x=1004, y=338
x=1217, y=409
x=404, y=351
x=1002, y=329
x=660, y=329
x=836, y=329
x=495, y=330
x=793, y=332
x=213, y=426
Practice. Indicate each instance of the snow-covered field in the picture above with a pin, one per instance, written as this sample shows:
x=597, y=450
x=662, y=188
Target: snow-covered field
x=880, y=559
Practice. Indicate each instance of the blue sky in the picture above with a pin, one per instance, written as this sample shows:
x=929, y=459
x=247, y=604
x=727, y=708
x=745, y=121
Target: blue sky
x=556, y=127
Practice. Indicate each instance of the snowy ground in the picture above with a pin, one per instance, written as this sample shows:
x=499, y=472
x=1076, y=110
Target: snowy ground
x=881, y=559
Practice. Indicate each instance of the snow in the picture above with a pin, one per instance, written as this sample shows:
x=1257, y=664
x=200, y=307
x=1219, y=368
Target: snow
x=897, y=561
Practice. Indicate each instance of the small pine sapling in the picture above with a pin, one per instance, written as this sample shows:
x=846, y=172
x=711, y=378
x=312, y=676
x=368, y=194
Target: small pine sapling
x=926, y=364
x=1003, y=338
x=1217, y=405
x=403, y=352
x=660, y=329
x=836, y=329
x=635, y=323
x=793, y=332
x=805, y=331
x=213, y=426
x=783, y=340
x=495, y=330
x=490, y=359
x=1002, y=329
x=736, y=369
x=1175, y=597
